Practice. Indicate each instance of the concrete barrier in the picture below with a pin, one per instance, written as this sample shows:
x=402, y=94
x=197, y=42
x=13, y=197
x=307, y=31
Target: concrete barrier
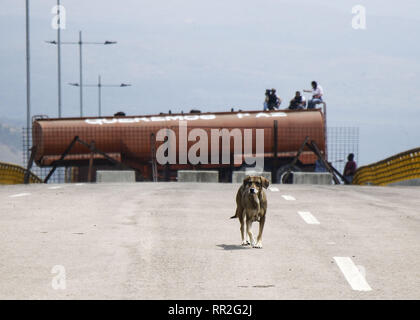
x=115, y=176
x=198, y=176
x=312, y=178
x=239, y=176
x=406, y=183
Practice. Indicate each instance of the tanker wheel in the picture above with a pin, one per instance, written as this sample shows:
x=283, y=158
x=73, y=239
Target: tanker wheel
x=247, y=167
x=280, y=174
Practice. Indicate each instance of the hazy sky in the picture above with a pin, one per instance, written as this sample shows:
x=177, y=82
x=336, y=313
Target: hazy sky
x=215, y=55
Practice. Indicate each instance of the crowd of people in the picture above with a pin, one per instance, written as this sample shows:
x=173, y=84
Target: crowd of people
x=272, y=101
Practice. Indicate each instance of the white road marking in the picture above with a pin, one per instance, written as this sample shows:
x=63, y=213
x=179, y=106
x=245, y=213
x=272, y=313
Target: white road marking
x=352, y=274
x=308, y=217
x=79, y=184
x=53, y=188
x=19, y=195
x=287, y=197
x=273, y=189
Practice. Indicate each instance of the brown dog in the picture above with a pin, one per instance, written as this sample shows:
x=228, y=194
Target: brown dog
x=251, y=203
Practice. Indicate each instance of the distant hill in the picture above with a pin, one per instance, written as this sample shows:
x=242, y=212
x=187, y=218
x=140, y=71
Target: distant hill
x=10, y=143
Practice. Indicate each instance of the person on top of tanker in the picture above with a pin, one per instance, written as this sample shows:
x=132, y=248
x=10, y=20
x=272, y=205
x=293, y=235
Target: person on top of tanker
x=271, y=101
x=317, y=94
x=267, y=94
x=298, y=102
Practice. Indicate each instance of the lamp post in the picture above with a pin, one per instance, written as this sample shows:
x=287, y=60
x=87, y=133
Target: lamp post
x=100, y=85
x=28, y=80
x=59, y=56
x=80, y=43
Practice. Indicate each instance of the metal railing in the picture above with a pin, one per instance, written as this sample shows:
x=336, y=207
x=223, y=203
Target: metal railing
x=403, y=166
x=14, y=174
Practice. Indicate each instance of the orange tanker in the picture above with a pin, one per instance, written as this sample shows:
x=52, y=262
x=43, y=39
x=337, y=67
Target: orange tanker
x=134, y=140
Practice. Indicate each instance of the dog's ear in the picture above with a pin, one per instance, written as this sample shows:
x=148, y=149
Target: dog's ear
x=265, y=183
x=247, y=179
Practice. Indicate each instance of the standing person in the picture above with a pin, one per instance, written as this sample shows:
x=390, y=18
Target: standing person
x=298, y=102
x=350, y=168
x=317, y=94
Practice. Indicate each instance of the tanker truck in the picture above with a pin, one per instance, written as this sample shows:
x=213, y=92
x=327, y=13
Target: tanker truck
x=84, y=145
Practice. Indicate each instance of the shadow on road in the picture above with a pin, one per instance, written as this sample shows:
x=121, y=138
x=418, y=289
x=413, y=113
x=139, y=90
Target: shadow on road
x=233, y=247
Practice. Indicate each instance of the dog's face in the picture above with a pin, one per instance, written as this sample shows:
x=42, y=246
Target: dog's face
x=254, y=184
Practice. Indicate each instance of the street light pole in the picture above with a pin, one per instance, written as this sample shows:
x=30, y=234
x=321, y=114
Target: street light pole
x=28, y=81
x=99, y=96
x=100, y=85
x=80, y=73
x=59, y=56
x=80, y=43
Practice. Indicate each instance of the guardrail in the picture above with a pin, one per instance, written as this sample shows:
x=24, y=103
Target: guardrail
x=403, y=166
x=14, y=174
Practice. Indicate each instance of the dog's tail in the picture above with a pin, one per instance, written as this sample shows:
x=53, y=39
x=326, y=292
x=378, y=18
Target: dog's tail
x=236, y=214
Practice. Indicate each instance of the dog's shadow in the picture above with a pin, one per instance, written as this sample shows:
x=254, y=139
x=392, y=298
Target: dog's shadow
x=231, y=247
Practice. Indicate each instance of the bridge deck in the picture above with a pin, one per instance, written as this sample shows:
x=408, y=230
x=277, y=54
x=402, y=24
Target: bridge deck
x=175, y=241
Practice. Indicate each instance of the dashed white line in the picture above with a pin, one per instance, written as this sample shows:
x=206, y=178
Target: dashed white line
x=19, y=195
x=352, y=274
x=308, y=217
x=79, y=184
x=273, y=189
x=287, y=197
x=53, y=188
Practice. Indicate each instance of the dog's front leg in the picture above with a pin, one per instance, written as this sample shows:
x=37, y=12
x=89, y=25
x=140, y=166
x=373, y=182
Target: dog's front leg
x=259, y=238
x=243, y=233
x=249, y=231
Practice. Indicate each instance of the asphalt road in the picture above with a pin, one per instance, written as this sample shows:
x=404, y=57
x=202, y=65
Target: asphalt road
x=176, y=241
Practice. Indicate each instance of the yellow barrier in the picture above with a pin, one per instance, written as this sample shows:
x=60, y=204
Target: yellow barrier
x=14, y=174
x=403, y=166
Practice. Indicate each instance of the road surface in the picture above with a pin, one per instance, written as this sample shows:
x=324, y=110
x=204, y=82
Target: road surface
x=176, y=241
